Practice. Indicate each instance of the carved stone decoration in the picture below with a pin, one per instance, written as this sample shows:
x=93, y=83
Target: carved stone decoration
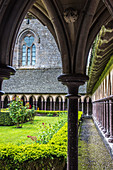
x=70, y=15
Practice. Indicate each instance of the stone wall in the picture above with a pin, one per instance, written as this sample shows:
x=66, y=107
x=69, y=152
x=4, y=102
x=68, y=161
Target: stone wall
x=48, y=55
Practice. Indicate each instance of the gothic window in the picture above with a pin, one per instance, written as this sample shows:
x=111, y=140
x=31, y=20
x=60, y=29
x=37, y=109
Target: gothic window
x=28, y=51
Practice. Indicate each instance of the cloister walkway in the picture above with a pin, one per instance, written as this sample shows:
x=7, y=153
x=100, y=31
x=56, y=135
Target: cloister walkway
x=93, y=154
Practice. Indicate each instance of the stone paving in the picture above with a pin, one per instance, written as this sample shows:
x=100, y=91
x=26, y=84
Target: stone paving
x=93, y=154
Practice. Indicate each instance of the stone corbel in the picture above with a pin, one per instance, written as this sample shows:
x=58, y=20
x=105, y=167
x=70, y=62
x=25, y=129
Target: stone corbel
x=70, y=15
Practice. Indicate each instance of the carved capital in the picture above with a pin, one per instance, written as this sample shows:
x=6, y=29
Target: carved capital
x=6, y=71
x=73, y=81
x=70, y=15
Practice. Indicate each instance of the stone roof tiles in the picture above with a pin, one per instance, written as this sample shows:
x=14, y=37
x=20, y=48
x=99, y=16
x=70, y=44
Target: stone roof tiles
x=36, y=81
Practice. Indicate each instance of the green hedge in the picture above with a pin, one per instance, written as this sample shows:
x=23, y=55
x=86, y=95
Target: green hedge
x=36, y=156
x=48, y=112
x=5, y=119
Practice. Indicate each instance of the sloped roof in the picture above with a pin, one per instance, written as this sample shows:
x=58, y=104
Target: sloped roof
x=36, y=81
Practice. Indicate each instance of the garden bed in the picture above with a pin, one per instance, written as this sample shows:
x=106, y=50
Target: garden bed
x=52, y=155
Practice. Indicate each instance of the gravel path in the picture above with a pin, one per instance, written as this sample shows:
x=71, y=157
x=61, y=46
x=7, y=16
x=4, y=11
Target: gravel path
x=93, y=154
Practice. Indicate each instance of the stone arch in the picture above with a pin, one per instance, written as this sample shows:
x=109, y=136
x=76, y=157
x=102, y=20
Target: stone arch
x=24, y=99
x=40, y=103
x=49, y=103
x=59, y=103
x=32, y=101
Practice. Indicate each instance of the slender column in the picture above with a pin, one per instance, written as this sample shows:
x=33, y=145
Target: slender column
x=104, y=130
x=107, y=120
x=36, y=105
x=111, y=120
x=102, y=110
x=83, y=108
x=99, y=114
x=59, y=105
x=50, y=105
x=63, y=105
x=73, y=82
x=45, y=104
x=42, y=105
x=54, y=105
x=87, y=108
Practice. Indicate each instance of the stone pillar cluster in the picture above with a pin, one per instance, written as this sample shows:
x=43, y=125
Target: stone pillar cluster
x=103, y=116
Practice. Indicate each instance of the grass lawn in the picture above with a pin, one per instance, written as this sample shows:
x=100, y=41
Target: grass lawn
x=18, y=136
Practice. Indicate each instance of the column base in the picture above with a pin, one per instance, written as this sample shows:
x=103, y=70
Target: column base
x=107, y=134
x=104, y=130
x=110, y=140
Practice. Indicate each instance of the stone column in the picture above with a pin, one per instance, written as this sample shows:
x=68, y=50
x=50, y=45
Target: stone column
x=50, y=105
x=111, y=120
x=104, y=130
x=63, y=105
x=45, y=104
x=42, y=104
x=102, y=110
x=59, y=103
x=54, y=105
x=73, y=82
x=83, y=108
x=107, y=134
x=87, y=108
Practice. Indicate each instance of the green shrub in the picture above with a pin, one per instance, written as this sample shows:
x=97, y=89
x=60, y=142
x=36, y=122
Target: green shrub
x=34, y=156
x=17, y=111
x=5, y=119
x=30, y=114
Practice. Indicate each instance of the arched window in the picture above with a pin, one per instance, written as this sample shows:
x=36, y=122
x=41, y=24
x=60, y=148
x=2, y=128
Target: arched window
x=28, y=51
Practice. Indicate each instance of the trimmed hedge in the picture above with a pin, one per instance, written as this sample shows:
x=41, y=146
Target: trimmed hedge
x=50, y=113
x=37, y=156
x=5, y=119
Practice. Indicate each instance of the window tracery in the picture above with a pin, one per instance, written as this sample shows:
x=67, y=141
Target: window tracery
x=28, y=50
